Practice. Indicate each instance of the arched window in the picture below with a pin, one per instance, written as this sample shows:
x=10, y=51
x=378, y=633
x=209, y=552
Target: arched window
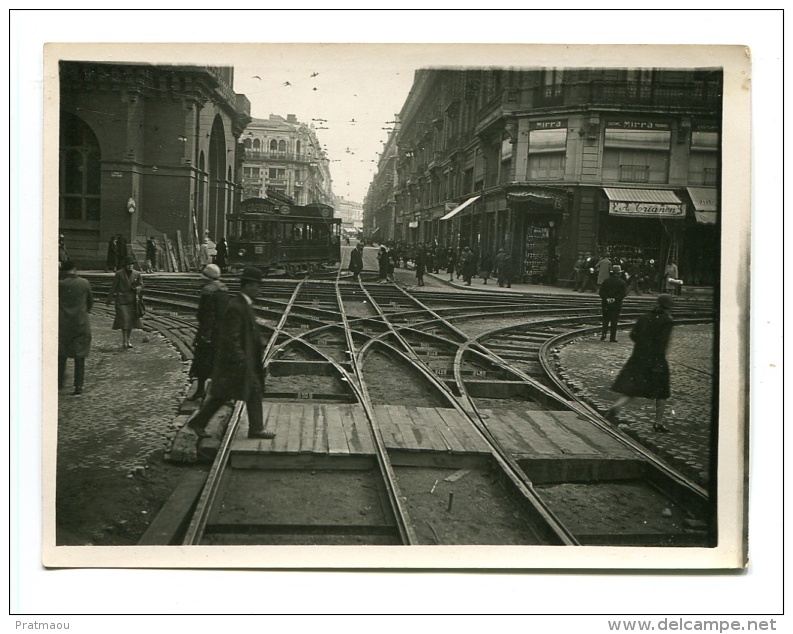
x=257, y=144
x=282, y=146
x=247, y=144
x=80, y=173
x=297, y=147
x=273, y=146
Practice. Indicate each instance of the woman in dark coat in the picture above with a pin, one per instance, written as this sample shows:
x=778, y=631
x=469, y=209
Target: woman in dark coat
x=211, y=306
x=127, y=283
x=646, y=373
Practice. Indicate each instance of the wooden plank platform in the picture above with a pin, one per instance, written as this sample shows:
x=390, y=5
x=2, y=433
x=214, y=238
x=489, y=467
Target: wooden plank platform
x=342, y=430
x=546, y=434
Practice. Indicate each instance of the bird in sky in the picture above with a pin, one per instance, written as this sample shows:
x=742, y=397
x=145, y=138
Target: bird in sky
x=257, y=77
x=286, y=83
x=314, y=88
x=314, y=74
x=352, y=120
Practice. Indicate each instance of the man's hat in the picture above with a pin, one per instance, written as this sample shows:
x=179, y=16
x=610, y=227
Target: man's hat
x=251, y=275
x=664, y=300
x=129, y=260
x=616, y=269
x=67, y=265
x=211, y=272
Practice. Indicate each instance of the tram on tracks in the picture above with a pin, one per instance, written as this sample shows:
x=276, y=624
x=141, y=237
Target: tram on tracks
x=283, y=239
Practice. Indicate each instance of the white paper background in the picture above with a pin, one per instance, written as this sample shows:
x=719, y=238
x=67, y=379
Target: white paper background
x=36, y=591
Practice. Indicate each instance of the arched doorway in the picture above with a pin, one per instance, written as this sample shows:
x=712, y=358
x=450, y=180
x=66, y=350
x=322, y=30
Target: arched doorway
x=217, y=179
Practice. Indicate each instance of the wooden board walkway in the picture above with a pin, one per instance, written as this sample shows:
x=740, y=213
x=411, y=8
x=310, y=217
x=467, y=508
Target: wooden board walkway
x=343, y=430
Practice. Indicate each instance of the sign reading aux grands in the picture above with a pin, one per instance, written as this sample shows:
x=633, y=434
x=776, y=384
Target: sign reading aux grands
x=646, y=210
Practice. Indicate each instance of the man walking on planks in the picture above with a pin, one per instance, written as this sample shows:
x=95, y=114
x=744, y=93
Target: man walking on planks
x=237, y=374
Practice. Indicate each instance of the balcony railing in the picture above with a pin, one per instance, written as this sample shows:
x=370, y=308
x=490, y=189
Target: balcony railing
x=698, y=94
x=269, y=155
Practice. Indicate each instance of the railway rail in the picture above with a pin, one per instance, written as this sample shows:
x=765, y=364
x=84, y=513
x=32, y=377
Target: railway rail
x=422, y=417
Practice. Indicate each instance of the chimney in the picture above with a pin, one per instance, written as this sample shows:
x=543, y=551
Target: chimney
x=290, y=118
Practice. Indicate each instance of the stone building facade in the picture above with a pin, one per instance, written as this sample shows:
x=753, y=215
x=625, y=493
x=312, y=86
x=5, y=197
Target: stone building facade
x=284, y=156
x=549, y=163
x=146, y=150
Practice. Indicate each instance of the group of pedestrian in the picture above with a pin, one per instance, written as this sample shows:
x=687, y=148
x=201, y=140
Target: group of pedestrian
x=640, y=275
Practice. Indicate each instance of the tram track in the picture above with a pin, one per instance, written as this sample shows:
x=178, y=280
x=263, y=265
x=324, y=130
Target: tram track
x=495, y=384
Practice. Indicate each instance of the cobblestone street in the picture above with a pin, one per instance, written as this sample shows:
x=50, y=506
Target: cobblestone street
x=111, y=438
x=592, y=365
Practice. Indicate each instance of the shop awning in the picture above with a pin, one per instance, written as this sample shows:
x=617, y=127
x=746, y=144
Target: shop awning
x=644, y=203
x=705, y=204
x=459, y=208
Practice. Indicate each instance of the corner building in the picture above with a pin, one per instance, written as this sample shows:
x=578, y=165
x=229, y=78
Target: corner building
x=550, y=163
x=283, y=156
x=146, y=150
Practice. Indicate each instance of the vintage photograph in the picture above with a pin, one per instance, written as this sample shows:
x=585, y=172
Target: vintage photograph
x=377, y=296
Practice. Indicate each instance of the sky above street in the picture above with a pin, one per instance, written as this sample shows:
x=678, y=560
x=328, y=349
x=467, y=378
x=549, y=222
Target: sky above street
x=350, y=95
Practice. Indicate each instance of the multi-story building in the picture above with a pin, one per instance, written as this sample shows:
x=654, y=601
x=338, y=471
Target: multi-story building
x=350, y=212
x=284, y=156
x=549, y=163
x=145, y=150
x=379, y=206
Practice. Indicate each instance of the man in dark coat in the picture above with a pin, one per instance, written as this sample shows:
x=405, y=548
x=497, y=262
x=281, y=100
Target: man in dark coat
x=211, y=307
x=238, y=374
x=612, y=292
x=646, y=373
x=74, y=326
x=222, y=254
x=356, y=261
x=590, y=275
x=151, y=253
x=383, y=263
x=504, y=268
x=467, y=265
x=112, y=254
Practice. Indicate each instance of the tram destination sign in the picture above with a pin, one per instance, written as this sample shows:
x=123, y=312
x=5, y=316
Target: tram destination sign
x=646, y=210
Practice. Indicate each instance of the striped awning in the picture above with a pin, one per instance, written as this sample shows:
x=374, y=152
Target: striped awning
x=642, y=195
x=459, y=208
x=705, y=204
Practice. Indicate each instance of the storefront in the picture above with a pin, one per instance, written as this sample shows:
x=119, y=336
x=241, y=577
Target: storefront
x=642, y=225
x=700, y=254
x=535, y=218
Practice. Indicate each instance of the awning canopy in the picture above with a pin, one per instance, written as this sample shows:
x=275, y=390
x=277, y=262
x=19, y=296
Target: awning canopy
x=644, y=203
x=459, y=208
x=705, y=204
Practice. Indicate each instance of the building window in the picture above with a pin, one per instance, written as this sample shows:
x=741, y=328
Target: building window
x=636, y=156
x=702, y=168
x=282, y=146
x=276, y=173
x=297, y=147
x=547, y=154
x=257, y=145
x=273, y=146
x=80, y=172
x=247, y=144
